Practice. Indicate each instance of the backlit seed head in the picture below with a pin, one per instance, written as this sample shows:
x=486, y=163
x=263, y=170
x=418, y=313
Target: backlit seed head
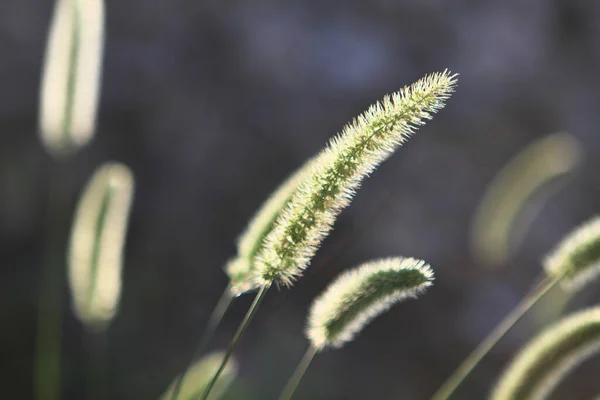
x=359, y=295
x=550, y=356
x=339, y=169
x=71, y=75
x=241, y=268
x=96, y=245
x=505, y=212
x=577, y=257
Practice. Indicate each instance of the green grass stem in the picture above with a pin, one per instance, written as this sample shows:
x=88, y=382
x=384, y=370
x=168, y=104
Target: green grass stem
x=467, y=366
x=238, y=335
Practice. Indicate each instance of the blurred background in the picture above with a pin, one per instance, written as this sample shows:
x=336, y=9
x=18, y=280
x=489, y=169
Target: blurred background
x=213, y=103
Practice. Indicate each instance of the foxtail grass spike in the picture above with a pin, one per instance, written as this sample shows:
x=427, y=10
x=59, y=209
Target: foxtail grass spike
x=241, y=268
x=339, y=169
x=358, y=296
x=577, y=257
x=550, y=356
x=96, y=246
x=71, y=75
x=520, y=188
x=200, y=374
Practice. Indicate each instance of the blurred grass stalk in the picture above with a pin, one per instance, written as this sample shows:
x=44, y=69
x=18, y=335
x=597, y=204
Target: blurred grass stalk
x=473, y=359
x=68, y=105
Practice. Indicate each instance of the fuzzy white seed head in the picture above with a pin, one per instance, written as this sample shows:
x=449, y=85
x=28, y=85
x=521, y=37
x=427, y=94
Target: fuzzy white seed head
x=96, y=245
x=550, y=356
x=241, y=269
x=71, y=75
x=357, y=296
x=577, y=257
x=518, y=192
x=339, y=169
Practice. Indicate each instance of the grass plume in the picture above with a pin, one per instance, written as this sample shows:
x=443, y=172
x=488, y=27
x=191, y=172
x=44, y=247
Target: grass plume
x=354, y=299
x=501, y=218
x=577, y=257
x=337, y=172
x=241, y=268
x=339, y=169
x=359, y=295
x=549, y=357
x=97, y=240
x=71, y=75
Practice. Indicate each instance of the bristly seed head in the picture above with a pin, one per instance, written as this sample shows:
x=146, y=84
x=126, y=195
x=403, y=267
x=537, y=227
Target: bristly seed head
x=241, y=268
x=577, y=257
x=549, y=357
x=357, y=296
x=357, y=151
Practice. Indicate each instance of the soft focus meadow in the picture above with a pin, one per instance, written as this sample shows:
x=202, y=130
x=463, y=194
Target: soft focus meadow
x=211, y=105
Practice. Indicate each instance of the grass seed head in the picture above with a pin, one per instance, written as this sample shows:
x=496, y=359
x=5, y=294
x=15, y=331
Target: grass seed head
x=339, y=169
x=96, y=244
x=241, y=268
x=359, y=295
x=550, y=356
x=71, y=75
x=577, y=257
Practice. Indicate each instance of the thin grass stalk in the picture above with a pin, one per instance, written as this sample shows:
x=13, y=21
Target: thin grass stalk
x=96, y=350
x=543, y=364
x=47, y=356
x=467, y=366
x=213, y=323
x=238, y=335
x=292, y=385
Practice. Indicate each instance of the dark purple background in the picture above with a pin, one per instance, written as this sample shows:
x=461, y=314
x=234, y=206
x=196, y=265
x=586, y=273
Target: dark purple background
x=213, y=103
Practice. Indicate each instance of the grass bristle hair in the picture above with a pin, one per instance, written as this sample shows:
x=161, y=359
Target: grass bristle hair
x=357, y=296
x=357, y=151
x=549, y=357
x=577, y=257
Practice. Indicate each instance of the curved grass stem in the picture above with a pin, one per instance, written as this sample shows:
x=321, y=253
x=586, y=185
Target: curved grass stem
x=213, y=323
x=234, y=342
x=464, y=369
x=292, y=385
